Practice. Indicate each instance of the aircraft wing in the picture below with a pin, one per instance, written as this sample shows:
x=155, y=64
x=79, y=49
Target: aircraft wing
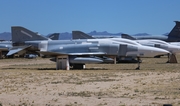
x=50, y=53
x=17, y=49
x=56, y=54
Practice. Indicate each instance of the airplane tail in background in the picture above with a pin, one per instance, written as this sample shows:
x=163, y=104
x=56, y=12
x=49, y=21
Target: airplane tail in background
x=80, y=35
x=126, y=36
x=54, y=36
x=175, y=32
x=21, y=34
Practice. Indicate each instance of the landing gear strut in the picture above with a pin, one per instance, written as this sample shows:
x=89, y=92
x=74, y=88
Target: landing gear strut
x=139, y=61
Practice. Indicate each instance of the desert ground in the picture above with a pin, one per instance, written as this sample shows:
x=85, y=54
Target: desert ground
x=35, y=82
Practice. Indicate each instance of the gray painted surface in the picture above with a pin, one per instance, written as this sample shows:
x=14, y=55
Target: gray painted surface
x=173, y=36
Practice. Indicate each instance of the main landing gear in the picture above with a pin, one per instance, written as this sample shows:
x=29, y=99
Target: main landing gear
x=139, y=61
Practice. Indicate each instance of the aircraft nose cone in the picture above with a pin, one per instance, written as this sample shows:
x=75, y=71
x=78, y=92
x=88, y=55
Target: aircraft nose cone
x=152, y=51
x=159, y=51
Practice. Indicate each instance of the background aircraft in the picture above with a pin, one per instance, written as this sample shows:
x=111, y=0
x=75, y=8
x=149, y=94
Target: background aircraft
x=76, y=53
x=128, y=58
x=173, y=36
x=173, y=49
x=5, y=46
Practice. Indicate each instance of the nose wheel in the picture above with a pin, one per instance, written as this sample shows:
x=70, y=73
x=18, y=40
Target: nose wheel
x=139, y=61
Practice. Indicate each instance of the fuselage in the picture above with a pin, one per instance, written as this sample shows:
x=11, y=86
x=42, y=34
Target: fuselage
x=160, y=44
x=5, y=45
x=106, y=46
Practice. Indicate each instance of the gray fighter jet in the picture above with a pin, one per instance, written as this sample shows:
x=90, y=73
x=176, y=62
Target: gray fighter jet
x=5, y=46
x=76, y=53
x=128, y=59
x=153, y=41
x=173, y=49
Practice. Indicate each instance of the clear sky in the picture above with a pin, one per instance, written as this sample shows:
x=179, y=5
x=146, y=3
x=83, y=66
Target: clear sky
x=127, y=16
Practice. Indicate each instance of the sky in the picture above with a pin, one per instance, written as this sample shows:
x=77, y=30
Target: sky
x=114, y=16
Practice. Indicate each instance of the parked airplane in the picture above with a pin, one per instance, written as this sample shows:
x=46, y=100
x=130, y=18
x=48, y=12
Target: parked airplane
x=173, y=36
x=82, y=35
x=5, y=46
x=149, y=42
x=76, y=53
x=173, y=49
x=170, y=46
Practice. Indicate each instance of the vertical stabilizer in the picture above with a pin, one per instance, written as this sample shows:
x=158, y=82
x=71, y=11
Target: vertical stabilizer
x=54, y=36
x=80, y=35
x=21, y=34
x=175, y=32
x=126, y=36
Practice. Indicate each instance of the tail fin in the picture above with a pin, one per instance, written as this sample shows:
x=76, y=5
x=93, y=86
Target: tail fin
x=54, y=36
x=175, y=32
x=21, y=34
x=80, y=35
x=126, y=36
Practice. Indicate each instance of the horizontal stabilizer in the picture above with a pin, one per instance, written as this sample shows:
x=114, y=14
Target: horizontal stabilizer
x=17, y=49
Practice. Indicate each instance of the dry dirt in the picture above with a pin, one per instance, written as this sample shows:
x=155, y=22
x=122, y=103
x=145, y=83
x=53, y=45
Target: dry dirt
x=35, y=82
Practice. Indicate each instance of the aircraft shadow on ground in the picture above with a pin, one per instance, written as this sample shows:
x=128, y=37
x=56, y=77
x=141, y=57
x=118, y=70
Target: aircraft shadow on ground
x=95, y=68
x=31, y=68
x=53, y=68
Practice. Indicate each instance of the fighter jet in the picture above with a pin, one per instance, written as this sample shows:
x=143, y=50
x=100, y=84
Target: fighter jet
x=173, y=36
x=150, y=42
x=173, y=49
x=128, y=58
x=76, y=53
x=5, y=46
x=82, y=35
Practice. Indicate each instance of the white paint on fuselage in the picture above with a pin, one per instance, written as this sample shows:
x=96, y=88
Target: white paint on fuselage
x=162, y=44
